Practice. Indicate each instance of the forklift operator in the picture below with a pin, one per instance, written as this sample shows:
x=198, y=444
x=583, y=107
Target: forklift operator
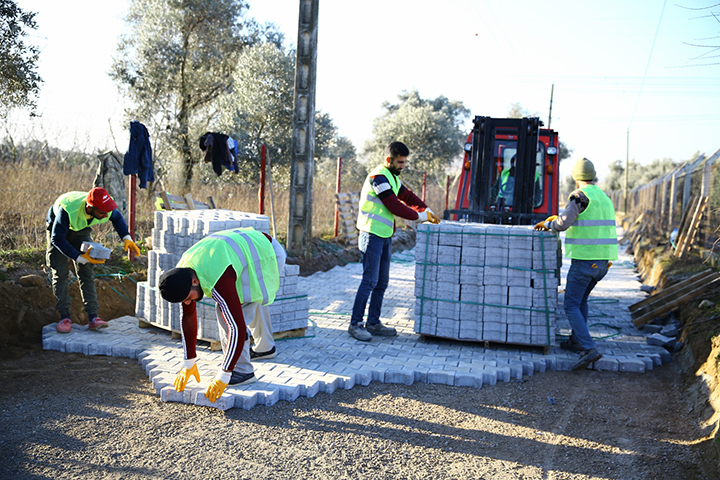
x=504, y=186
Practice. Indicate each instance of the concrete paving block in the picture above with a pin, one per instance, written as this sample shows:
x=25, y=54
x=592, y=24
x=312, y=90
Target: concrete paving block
x=399, y=376
x=658, y=339
x=608, y=364
x=268, y=396
x=77, y=346
x=631, y=365
x=468, y=380
x=472, y=293
x=565, y=364
x=53, y=343
x=472, y=275
x=289, y=393
x=448, y=274
x=472, y=256
x=225, y=402
x=474, y=236
x=647, y=361
x=99, y=348
x=519, y=296
x=521, y=318
x=665, y=356
x=244, y=399
x=441, y=377
x=449, y=310
x=519, y=338
x=450, y=234
x=496, y=256
x=169, y=394
x=489, y=375
x=468, y=311
x=447, y=328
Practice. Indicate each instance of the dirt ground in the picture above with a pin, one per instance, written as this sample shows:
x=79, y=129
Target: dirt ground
x=75, y=416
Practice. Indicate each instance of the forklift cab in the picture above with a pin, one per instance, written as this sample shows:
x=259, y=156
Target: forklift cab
x=508, y=173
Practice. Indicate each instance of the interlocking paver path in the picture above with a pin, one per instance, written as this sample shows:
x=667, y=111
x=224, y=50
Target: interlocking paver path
x=328, y=359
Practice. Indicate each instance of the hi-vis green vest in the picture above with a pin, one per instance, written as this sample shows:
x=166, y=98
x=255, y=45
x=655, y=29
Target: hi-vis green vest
x=374, y=216
x=593, y=235
x=249, y=253
x=74, y=204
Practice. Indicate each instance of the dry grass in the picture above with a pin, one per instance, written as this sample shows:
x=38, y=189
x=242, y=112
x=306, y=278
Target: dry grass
x=30, y=190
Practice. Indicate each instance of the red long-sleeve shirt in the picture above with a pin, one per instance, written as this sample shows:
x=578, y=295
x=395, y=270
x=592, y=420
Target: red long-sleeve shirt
x=405, y=204
x=226, y=296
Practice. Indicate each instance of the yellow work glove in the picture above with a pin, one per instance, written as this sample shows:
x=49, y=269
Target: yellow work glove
x=185, y=374
x=86, y=258
x=130, y=244
x=218, y=385
x=551, y=218
x=433, y=218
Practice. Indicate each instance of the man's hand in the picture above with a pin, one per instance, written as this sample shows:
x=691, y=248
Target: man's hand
x=433, y=218
x=542, y=226
x=218, y=385
x=184, y=375
x=86, y=258
x=130, y=244
x=423, y=216
x=215, y=389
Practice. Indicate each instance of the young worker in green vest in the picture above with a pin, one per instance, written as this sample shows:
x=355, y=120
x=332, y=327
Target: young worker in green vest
x=591, y=243
x=239, y=269
x=68, y=226
x=383, y=196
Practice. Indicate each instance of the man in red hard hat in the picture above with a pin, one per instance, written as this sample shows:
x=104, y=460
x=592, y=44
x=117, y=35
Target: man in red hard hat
x=68, y=226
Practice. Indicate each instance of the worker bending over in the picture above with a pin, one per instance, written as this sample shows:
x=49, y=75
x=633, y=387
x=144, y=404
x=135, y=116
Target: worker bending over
x=68, y=226
x=240, y=270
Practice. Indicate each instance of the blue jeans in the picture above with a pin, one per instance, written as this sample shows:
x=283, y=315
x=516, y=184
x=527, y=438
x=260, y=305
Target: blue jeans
x=376, y=276
x=581, y=279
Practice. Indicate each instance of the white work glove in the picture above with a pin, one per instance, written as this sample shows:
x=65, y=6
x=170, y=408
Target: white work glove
x=423, y=216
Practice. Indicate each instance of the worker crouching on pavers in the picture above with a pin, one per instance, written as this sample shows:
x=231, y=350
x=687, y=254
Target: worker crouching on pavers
x=383, y=197
x=68, y=226
x=239, y=269
x=591, y=242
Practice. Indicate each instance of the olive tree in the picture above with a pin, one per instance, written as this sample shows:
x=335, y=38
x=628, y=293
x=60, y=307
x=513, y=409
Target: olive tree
x=19, y=80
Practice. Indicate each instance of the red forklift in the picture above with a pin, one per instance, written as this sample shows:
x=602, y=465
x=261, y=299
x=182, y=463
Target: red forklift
x=510, y=173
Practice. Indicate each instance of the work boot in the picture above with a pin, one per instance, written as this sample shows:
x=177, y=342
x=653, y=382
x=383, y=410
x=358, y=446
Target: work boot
x=242, y=378
x=586, y=358
x=272, y=353
x=359, y=332
x=64, y=325
x=571, y=345
x=380, y=329
x=97, y=322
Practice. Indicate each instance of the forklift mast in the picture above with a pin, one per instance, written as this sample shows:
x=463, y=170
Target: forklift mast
x=494, y=141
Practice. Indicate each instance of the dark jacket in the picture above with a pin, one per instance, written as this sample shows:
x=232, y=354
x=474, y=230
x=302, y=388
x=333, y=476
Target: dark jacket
x=138, y=159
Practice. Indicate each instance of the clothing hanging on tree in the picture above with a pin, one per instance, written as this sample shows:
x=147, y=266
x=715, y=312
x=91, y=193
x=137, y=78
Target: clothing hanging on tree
x=138, y=158
x=218, y=151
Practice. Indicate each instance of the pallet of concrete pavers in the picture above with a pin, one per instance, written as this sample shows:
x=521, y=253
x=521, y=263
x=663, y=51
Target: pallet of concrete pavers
x=176, y=231
x=491, y=283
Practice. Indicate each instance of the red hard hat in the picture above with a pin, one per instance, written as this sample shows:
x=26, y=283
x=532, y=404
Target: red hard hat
x=101, y=199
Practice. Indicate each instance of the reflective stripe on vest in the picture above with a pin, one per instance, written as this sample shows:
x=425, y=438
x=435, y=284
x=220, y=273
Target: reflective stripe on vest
x=74, y=205
x=593, y=236
x=251, y=255
x=373, y=215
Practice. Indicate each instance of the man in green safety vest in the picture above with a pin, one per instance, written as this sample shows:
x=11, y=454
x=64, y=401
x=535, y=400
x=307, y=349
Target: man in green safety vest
x=68, y=226
x=504, y=187
x=240, y=270
x=591, y=243
x=383, y=197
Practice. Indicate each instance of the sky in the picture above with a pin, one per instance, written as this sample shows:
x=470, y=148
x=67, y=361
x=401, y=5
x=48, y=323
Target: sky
x=620, y=69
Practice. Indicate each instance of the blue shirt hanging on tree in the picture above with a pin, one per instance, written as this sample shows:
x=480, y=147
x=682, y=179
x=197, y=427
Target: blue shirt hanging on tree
x=138, y=158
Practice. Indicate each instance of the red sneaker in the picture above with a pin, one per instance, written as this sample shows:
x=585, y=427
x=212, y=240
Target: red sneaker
x=96, y=323
x=64, y=325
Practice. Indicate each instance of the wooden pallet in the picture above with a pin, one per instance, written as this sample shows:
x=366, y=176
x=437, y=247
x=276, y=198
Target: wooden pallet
x=686, y=240
x=671, y=298
x=347, y=205
x=186, y=202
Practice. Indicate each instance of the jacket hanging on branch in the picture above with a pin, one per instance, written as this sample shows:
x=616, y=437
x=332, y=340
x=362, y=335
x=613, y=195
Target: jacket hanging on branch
x=138, y=158
x=220, y=150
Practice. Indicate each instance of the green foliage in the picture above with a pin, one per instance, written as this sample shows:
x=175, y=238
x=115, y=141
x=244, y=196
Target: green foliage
x=637, y=174
x=260, y=110
x=175, y=63
x=19, y=81
x=432, y=130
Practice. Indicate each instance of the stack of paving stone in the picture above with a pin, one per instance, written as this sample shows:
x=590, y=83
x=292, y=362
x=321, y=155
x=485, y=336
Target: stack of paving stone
x=174, y=233
x=483, y=282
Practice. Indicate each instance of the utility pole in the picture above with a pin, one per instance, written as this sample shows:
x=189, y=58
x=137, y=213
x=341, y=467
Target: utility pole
x=302, y=160
x=627, y=168
x=552, y=90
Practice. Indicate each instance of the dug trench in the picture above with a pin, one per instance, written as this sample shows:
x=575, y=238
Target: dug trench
x=571, y=423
